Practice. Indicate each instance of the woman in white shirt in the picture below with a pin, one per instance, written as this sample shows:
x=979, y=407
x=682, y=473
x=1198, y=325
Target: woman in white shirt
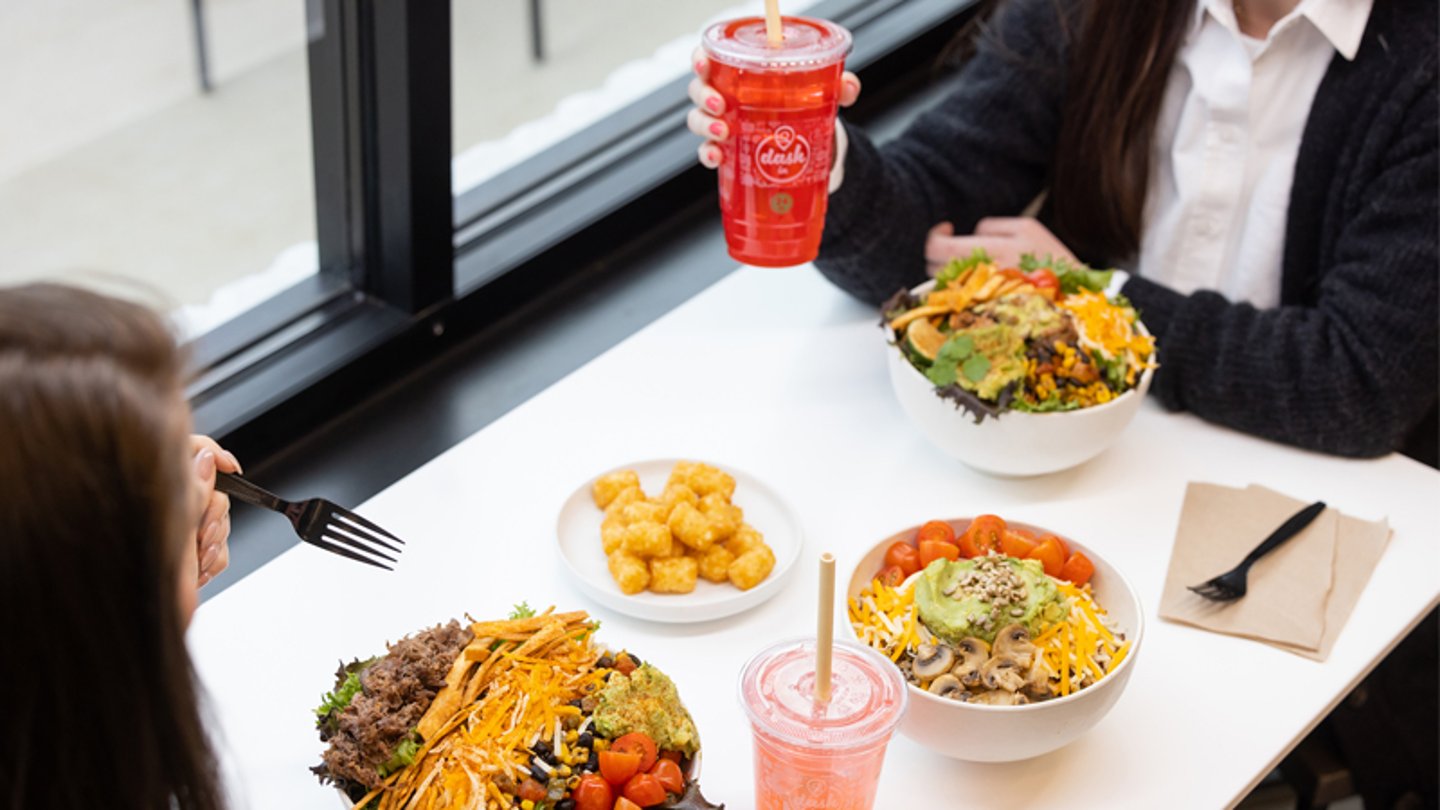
x=1266, y=169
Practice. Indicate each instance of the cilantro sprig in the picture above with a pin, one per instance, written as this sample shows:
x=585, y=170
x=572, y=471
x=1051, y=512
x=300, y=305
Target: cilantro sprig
x=956, y=357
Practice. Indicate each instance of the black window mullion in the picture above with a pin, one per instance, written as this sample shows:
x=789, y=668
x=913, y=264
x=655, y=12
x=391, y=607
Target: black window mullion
x=410, y=136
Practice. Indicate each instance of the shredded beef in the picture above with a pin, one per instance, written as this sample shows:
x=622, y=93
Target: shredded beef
x=397, y=690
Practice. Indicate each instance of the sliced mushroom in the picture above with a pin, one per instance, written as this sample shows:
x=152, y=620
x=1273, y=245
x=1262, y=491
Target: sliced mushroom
x=1037, y=681
x=999, y=697
x=973, y=653
x=932, y=660
x=1003, y=672
x=1013, y=640
x=947, y=686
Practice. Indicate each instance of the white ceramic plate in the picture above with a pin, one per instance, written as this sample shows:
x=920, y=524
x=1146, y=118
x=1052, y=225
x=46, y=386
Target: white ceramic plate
x=579, y=538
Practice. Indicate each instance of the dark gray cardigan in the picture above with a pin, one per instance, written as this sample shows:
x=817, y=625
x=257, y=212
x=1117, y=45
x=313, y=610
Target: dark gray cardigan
x=1349, y=363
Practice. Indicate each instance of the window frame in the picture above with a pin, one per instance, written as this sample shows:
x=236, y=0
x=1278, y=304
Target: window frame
x=407, y=268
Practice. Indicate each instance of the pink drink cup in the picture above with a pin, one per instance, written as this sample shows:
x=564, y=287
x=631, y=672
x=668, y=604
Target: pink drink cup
x=812, y=756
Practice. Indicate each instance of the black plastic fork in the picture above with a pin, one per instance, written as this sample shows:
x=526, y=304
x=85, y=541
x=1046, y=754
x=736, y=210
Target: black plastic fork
x=320, y=522
x=1231, y=584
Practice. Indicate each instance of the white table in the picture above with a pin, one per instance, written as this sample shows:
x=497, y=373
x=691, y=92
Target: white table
x=777, y=373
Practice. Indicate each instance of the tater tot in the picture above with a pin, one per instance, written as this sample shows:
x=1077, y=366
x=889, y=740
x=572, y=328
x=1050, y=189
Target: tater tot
x=675, y=494
x=673, y=575
x=680, y=472
x=612, y=533
x=715, y=563
x=751, y=568
x=630, y=572
x=691, y=527
x=625, y=497
x=746, y=538
x=647, y=539
x=726, y=516
x=643, y=512
x=705, y=479
x=608, y=486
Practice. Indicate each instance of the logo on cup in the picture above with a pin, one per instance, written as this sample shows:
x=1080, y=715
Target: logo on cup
x=782, y=156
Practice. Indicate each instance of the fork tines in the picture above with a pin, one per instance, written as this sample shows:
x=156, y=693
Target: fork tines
x=357, y=538
x=1218, y=591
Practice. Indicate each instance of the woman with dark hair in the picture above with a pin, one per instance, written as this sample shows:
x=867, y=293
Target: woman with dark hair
x=1266, y=169
x=101, y=491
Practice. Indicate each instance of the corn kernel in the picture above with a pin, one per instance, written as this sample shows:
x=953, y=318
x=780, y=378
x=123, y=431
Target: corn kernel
x=563, y=770
x=527, y=804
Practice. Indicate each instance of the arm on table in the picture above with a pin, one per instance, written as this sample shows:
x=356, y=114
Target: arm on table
x=1354, y=373
x=984, y=150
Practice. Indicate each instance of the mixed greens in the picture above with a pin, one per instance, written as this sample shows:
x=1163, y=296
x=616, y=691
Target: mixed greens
x=1040, y=338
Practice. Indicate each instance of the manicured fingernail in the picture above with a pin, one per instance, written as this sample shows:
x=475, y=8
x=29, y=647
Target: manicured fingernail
x=209, y=558
x=203, y=580
x=713, y=104
x=210, y=538
x=699, y=66
x=205, y=464
x=717, y=129
x=715, y=156
x=230, y=457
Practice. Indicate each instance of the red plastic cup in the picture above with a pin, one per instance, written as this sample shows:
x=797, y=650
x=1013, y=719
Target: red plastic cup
x=828, y=756
x=780, y=105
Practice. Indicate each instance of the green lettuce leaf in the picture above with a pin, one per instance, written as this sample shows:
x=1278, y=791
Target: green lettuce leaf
x=953, y=270
x=403, y=755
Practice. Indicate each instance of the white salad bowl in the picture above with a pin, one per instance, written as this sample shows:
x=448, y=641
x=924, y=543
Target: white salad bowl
x=1014, y=443
x=980, y=733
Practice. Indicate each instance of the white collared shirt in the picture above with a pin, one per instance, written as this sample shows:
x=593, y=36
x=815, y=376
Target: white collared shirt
x=1225, y=145
x=1228, y=132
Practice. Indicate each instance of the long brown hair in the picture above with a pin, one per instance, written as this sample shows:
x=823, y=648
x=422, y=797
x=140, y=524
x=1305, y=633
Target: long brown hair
x=1121, y=55
x=100, y=701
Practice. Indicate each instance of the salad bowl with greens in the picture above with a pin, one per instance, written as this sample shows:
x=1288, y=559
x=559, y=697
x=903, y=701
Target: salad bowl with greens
x=1018, y=371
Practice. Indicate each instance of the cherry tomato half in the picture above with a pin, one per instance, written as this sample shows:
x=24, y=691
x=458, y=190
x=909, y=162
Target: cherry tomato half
x=935, y=530
x=903, y=556
x=618, y=766
x=623, y=803
x=1078, y=569
x=669, y=775
x=1051, y=555
x=638, y=742
x=1042, y=278
x=644, y=790
x=593, y=793
x=932, y=550
x=891, y=576
x=984, y=535
x=1016, y=545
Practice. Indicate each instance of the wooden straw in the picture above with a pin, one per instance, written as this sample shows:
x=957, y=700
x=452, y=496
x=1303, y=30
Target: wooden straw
x=825, y=629
x=773, y=32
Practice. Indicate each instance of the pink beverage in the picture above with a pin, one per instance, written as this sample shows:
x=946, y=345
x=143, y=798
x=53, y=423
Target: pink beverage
x=780, y=105
x=811, y=756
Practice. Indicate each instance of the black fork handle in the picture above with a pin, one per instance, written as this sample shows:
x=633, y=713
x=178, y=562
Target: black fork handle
x=243, y=490
x=1287, y=530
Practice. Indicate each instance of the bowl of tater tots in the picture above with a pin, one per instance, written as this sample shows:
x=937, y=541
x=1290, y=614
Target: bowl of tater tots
x=676, y=541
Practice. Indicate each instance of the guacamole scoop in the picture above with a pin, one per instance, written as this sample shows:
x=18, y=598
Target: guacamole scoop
x=976, y=598
x=646, y=700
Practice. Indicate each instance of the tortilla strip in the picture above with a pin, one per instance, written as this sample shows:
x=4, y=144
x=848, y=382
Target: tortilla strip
x=919, y=312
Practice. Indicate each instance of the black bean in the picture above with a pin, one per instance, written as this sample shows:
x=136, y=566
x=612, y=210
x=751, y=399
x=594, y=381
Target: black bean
x=565, y=804
x=574, y=703
x=541, y=746
x=605, y=662
x=585, y=740
x=592, y=762
x=635, y=658
x=538, y=773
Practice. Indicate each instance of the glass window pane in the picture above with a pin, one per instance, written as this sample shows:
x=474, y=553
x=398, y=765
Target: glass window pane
x=118, y=172
x=595, y=58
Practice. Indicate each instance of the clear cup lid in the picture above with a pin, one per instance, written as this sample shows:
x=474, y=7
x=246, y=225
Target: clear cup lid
x=808, y=42
x=867, y=697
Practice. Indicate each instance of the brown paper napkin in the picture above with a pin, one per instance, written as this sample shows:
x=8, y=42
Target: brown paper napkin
x=1299, y=596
